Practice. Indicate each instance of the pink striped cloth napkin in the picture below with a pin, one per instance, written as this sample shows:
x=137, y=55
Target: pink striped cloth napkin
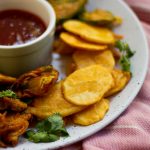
x=131, y=131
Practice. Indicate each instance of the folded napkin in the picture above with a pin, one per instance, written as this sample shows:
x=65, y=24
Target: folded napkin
x=131, y=131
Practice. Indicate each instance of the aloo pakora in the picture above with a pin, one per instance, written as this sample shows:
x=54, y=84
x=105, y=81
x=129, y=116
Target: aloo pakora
x=11, y=127
x=36, y=82
x=13, y=104
x=6, y=81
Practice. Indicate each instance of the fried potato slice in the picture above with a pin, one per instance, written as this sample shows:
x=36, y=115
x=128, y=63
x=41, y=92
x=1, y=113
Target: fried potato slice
x=71, y=68
x=53, y=102
x=79, y=43
x=121, y=79
x=90, y=33
x=61, y=47
x=88, y=85
x=92, y=114
x=85, y=59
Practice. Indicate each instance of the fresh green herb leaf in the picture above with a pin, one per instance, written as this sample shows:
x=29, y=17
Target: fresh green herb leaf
x=37, y=137
x=125, y=63
x=41, y=125
x=29, y=133
x=129, y=51
x=52, y=124
x=56, y=122
x=126, y=54
x=64, y=132
x=119, y=45
x=53, y=137
x=8, y=93
x=48, y=130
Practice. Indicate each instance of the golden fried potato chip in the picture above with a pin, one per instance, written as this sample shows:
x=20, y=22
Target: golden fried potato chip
x=61, y=47
x=88, y=85
x=53, y=102
x=106, y=59
x=121, y=79
x=77, y=42
x=92, y=114
x=85, y=59
x=71, y=68
x=90, y=33
x=118, y=37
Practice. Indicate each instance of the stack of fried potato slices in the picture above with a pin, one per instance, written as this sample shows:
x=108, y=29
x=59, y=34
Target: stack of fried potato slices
x=84, y=93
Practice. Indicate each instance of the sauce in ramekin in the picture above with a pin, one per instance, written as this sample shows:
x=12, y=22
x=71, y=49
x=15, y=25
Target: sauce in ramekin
x=19, y=27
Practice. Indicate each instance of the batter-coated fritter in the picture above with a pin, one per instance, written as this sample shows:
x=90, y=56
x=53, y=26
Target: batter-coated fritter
x=6, y=81
x=11, y=127
x=36, y=82
x=12, y=104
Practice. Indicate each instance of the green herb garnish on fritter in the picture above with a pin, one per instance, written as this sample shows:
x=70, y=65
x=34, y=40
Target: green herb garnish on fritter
x=48, y=130
x=8, y=93
x=126, y=54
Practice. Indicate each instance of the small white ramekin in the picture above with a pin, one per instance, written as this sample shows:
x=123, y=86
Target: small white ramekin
x=17, y=59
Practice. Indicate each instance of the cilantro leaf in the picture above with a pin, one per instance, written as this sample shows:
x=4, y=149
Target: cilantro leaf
x=64, y=132
x=48, y=130
x=56, y=122
x=8, y=93
x=39, y=136
x=126, y=54
x=129, y=52
x=119, y=45
x=125, y=63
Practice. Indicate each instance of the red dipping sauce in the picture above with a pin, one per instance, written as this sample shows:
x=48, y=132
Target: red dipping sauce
x=18, y=27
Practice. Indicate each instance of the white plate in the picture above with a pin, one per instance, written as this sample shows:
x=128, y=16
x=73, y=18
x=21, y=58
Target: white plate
x=134, y=35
